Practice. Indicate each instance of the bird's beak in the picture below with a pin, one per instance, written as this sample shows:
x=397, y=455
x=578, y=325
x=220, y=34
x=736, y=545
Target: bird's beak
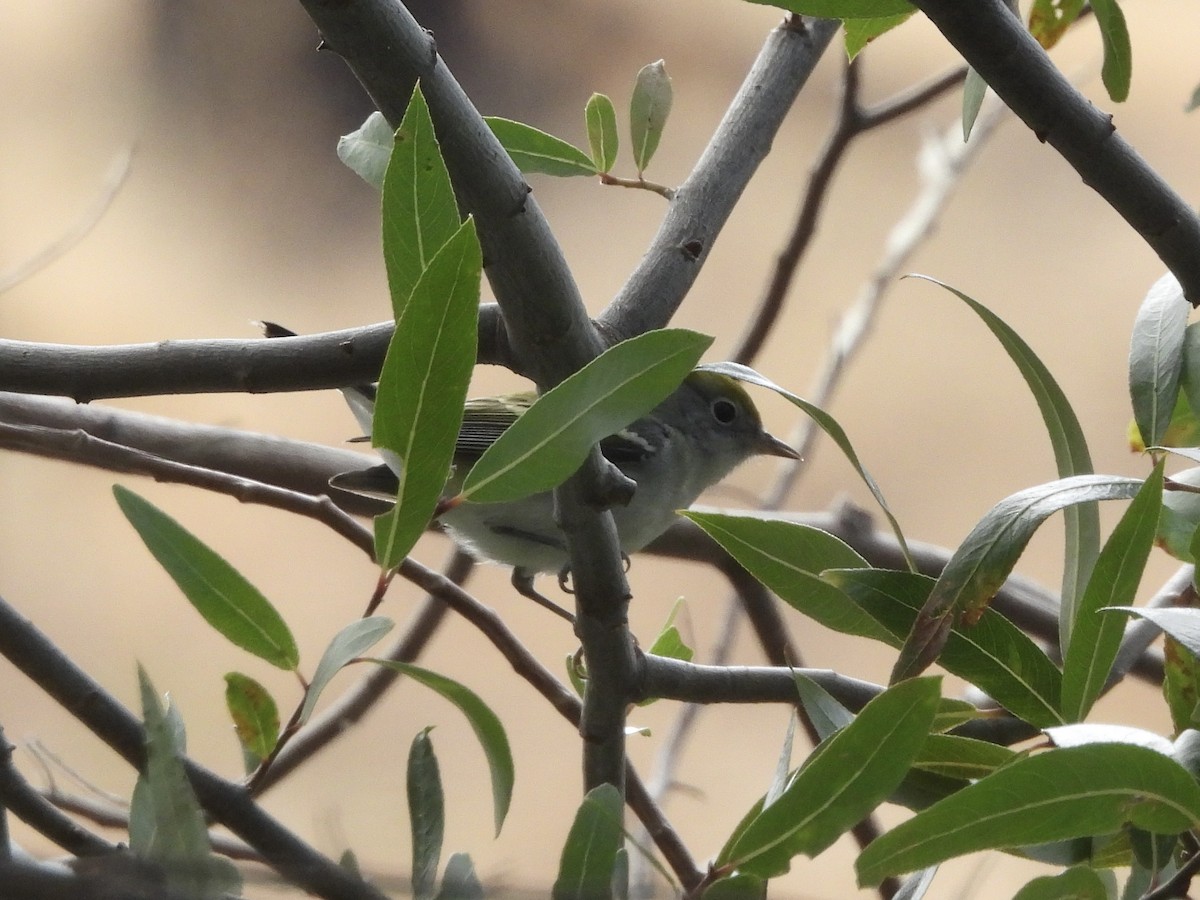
x=769, y=445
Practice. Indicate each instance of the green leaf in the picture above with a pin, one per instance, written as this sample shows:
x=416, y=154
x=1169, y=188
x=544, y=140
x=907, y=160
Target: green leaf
x=1081, y=734
x=961, y=757
x=538, y=153
x=166, y=824
x=1114, y=582
x=550, y=440
x=460, y=881
x=1156, y=357
x=585, y=869
x=1052, y=796
x=736, y=887
x=423, y=387
x=841, y=783
x=1070, y=455
x=788, y=558
x=1181, y=686
x=1077, y=883
x=1050, y=19
x=648, y=110
x=218, y=591
x=1118, y=54
x=1183, y=624
x=974, y=90
x=420, y=213
x=347, y=645
x=483, y=722
x=255, y=717
x=669, y=642
x=1180, y=515
x=601, y=120
x=426, y=814
x=1189, y=383
x=824, y=711
x=841, y=9
x=860, y=32
x=993, y=654
x=984, y=560
x=367, y=149
x=1194, y=102
x=829, y=425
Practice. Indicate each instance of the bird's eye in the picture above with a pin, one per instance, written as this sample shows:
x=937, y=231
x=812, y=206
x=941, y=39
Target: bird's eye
x=724, y=411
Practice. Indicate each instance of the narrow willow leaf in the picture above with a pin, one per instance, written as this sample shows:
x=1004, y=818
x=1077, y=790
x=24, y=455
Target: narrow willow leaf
x=1180, y=515
x=848, y=776
x=423, y=387
x=1189, y=383
x=1052, y=796
x=788, y=558
x=783, y=765
x=1181, y=685
x=1071, y=456
x=348, y=644
x=993, y=654
x=840, y=9
x=984, y=560
x=860, y=32
x=1181, y=624
x=916, y=885
x=1118, y=54
x=585, y=869
x=167, y=825
x=824, y=711
x=537, y=153
x=974, y=90
x=1156, y=357
x=460, y=881
x=1194, y=102
x=218, y=591
x=1076, y=883
x=601, y=120
x=551, y=439
x=830, y=426
x=952, y=713
x=255, y=717
x=426, y=814
x=736, y=887
x=1050, y=19
x=419, y=210
x=669, y=642
x=1183, y=431
x=483, y=722
x=961, y=757
x=648, y=110
x=1080, y=734
x=1114, y=582
x=367, y=149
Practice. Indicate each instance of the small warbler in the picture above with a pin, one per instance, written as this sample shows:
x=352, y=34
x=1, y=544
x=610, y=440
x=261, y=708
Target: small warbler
x=686, y=444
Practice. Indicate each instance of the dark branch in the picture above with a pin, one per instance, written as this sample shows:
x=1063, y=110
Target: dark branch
x=1001, y=50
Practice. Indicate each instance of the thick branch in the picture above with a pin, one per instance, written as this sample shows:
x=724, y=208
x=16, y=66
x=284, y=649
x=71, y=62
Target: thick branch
x=702, y=204
x=43, y=663
x=388, y=50
x=1014, y=65
x=302, y=363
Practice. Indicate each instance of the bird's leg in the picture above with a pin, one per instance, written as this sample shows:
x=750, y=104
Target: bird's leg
x=523, y=582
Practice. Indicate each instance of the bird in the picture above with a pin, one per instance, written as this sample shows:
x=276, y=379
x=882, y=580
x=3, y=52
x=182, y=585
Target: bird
x=689, y=442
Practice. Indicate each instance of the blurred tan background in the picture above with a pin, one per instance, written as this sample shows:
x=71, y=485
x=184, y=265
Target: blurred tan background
x=236, y=209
